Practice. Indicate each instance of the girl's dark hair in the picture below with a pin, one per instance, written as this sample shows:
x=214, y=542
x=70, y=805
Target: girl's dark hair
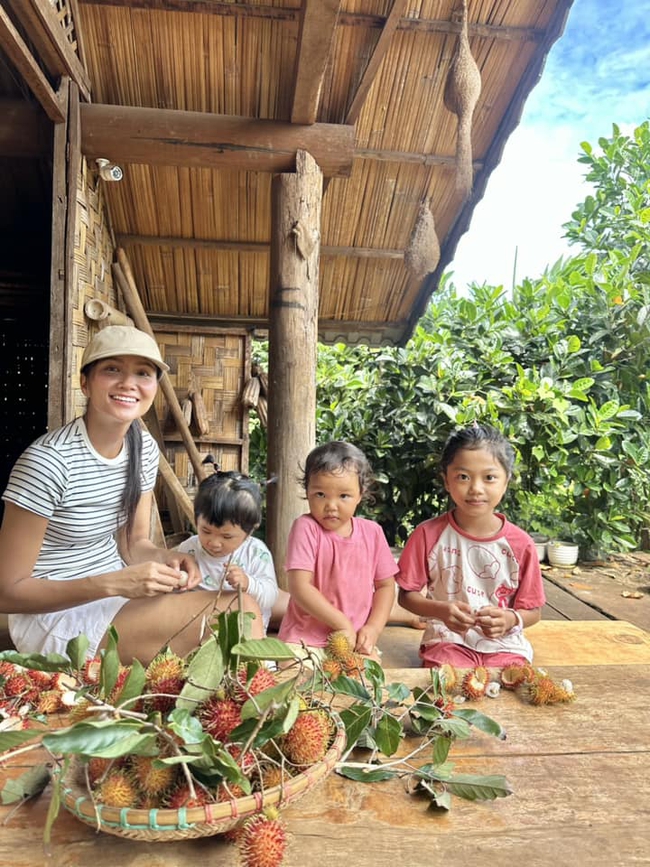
x=229, y=497
x=479, y=436
x=336, y=457
x=133, y=484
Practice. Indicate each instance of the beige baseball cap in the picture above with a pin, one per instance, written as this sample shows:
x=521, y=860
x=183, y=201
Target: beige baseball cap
x=117, y=340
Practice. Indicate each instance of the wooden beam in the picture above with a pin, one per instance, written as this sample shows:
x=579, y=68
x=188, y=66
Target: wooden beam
x=346, y=19
x=153, y=136
x=25, y=132
x=381, y=47
x=57, y=384
x=317, y=28
x=249, y=246
x=19, y=54
x=73, y=165
x=44, y=29
x=409, y=157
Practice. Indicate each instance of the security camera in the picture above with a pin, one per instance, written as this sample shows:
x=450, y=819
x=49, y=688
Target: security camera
x=108, y=170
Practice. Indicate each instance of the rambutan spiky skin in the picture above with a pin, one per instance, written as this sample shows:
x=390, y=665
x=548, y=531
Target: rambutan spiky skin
x=91, y=671
x=18, y=684
x=544, y=690
x=475, y=682
x=262, y=842
x=332, y=668
x=117, y=789
x=271, y=776
x=165, y=665
x=7, y=668
x=41, y=679
x=49, y=701
x=307, y=740
x=241, y=689
x=122, y=676
x=448, y=676
x=181, y=796
x=97, y=767
x=152, y=779
x=167, y=689
x=219, y=716
x=513, y=676
x=338, y=646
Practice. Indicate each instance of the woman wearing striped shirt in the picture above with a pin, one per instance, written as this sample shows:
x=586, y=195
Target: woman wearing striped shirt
x=75, y=554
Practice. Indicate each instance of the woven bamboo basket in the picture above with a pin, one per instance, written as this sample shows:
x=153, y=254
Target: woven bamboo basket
x=163, y=825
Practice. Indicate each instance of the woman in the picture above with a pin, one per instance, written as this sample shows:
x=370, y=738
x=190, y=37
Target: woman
x=75, y=554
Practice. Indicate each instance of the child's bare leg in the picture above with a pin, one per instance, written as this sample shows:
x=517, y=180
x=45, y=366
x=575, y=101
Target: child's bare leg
x=279, y=610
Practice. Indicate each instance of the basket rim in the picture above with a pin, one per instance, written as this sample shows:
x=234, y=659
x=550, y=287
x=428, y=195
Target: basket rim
x=208, y=817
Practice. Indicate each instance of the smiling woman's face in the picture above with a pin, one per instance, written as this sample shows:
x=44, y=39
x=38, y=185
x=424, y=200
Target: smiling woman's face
x=122, y=387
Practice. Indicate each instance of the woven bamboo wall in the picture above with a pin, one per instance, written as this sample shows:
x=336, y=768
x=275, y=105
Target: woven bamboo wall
x=93, y=254
x=219, y=361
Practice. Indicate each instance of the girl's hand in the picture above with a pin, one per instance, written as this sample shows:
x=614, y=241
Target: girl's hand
x=459, y=617
x=366, y=642
x=236, y=577
x=494, y=622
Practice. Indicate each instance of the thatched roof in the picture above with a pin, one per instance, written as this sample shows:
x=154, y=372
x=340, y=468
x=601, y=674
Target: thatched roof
x=232, y=90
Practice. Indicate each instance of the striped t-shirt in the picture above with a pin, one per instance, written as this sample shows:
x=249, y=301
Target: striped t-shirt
x=62, y=478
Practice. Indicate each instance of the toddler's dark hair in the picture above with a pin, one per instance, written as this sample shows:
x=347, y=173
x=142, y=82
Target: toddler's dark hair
x=229, y=497
x=479, y=436
x=336, y=457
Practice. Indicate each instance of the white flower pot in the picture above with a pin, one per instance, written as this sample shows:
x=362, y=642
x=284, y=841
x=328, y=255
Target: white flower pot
x=561, y=553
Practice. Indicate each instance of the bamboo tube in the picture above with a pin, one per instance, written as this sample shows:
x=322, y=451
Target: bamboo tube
x=100, y=311
x=199, y=411
x=124, y=278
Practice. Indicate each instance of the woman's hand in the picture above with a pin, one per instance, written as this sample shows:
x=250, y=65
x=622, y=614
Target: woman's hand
x=494, y=622
x=142, y=580
x=184, y=563
x=458, y=616
x=236, y=577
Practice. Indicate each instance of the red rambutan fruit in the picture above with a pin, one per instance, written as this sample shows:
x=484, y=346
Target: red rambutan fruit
x=475, y=682
x=117, y=789
x=18, y=684
x=97, y=767
x=49, y=701
x=219, y=716
x=181, y=796
x=163, y=666
x=169, y=689
x=262, y=842
x=153, y=779
x=7, y=668
x=41, y=679
x=241, y=690
x=307, y=740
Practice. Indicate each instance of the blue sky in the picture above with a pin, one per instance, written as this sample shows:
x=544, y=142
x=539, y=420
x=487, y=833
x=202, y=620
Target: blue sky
x=596, y=74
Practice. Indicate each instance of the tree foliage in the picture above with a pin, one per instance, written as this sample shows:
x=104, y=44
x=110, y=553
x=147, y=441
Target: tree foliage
x=560, y=365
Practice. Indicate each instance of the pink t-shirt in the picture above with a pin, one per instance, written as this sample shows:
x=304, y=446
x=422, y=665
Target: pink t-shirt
x=346, y=571
x=502, y=570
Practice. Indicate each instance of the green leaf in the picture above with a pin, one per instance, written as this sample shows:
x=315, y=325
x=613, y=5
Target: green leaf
x=477, y=788
x=355, y=719
x=133, y=685
x=110, y=666
x=370, y=774
x=50, y=662
x=203, y=675
x=441, y=748
x=608, y=410
x=397, y=692
x=388, y=734
x=31, y=783
x=274, y=695
x=349, y=686
x=440, y=800
x=77, y=650
x=263, y=648
x=11, y=740
x=105, y=738
x=482, y=722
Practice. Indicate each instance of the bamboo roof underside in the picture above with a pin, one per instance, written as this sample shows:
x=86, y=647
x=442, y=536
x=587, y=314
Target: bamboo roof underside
x=198, y=233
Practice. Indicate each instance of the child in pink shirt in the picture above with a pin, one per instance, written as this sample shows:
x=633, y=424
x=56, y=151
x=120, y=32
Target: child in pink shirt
x=481, y=573
x=340, y=567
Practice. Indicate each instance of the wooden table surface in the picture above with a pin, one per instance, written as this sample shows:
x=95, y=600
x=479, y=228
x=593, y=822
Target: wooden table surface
x=580, y=775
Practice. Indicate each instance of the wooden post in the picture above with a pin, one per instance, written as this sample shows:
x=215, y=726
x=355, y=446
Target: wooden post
x=293, y=336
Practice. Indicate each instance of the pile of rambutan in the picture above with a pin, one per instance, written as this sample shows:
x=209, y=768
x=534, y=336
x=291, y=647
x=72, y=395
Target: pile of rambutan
x=531, y=684
x=341, y=658
x=182, y=733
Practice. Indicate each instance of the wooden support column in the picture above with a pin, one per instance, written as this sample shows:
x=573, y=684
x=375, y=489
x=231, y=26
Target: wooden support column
x=293, y=336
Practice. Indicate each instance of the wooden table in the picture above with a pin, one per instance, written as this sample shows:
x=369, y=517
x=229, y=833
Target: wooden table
x=580, y=775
